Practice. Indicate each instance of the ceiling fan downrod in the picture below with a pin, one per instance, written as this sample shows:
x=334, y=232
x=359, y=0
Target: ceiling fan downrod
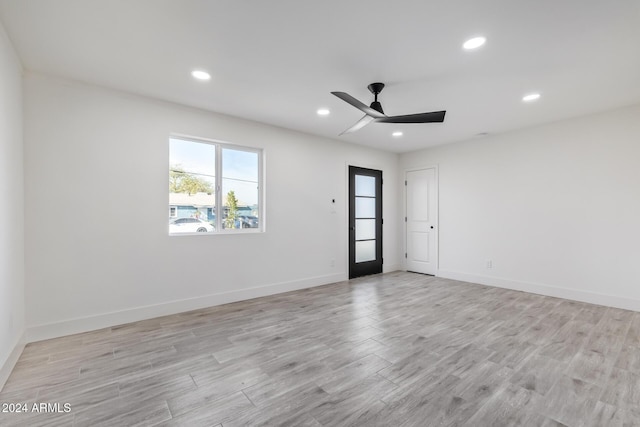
x=376, y=88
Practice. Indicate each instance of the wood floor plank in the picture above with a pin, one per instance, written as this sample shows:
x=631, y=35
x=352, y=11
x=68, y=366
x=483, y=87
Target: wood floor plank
x=352, y=403
x=419, y=362
x=629, y=359
x=566, y=343
x=159, y=385
x=510, y=406
x=511, y=352
x=606, y=415
x=441, y=410
x=423, y=387
x=538, y=373
x=288, y=408
x=37, y=420
x=351, y=374
x=80, y=394
x=350, y=352
x=397, y=349
x=270, y=390
x=214, y=413
x=145, y=415
x=591, y=366
x=570, y=401
x=212, y=389
x=623, y=389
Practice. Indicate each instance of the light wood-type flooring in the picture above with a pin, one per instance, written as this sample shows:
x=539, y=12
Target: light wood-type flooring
x=398, y=349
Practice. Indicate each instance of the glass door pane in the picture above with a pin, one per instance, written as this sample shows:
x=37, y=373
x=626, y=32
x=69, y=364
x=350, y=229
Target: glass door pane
x=365, y=186
x=365, y=229
x=365, y=251
x=365, y=207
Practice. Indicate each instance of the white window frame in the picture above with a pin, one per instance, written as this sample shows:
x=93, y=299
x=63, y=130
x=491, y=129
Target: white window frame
x=219, y=211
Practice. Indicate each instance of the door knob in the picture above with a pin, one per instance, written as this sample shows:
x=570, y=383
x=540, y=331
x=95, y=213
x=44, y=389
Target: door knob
x=432, y=227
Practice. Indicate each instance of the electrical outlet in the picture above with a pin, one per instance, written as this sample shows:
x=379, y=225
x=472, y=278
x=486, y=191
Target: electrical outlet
x=489, y=264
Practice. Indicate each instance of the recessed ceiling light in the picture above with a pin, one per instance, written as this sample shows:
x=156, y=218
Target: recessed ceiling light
x=397, y=133
x=531, y=97
x=200, y=75
x=474, y=43
x=323, y=112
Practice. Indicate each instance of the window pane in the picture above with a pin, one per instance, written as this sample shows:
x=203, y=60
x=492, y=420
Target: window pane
x=365, y=251
x=365, y=207
x=365, y=185
x=365, y=229
x=238, y=164
x=192, y=183
x=194, y=157
x=240, y=189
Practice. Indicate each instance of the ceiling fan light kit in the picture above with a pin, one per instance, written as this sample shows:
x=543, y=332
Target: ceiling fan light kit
x=375, y=113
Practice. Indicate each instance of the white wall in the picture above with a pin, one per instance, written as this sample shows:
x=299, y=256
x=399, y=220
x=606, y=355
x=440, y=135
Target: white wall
x=12, y=305
x=96, y=167
x=555, y=208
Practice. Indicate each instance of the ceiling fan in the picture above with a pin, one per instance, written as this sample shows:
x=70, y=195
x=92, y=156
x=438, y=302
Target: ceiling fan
x=374, y=112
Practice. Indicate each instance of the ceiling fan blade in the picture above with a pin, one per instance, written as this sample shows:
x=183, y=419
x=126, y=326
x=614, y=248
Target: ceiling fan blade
x=433, y=117
x=359, y=105
x=365, y=120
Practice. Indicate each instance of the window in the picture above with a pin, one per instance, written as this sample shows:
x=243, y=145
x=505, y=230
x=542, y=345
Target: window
x=214, y=187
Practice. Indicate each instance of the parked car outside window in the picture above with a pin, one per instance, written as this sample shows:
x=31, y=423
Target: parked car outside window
x=189, y=225
x=248, y=221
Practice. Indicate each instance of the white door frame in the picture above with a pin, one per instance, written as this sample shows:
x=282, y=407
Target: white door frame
x=437, y=221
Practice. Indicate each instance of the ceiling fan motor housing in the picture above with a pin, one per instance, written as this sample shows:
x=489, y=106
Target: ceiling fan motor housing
x=377, y=106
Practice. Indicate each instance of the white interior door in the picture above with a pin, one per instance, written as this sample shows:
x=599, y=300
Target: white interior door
x=422, y=221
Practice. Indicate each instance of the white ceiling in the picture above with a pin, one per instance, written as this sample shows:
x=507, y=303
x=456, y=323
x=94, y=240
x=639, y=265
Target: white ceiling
x=276, y=61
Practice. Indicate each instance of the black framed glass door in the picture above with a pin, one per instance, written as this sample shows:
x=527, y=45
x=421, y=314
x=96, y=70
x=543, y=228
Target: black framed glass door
x=365, y=221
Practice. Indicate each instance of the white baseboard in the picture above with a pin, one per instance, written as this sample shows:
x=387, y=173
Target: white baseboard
x=10, y=363
x=547, y=290
x=105, y=320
